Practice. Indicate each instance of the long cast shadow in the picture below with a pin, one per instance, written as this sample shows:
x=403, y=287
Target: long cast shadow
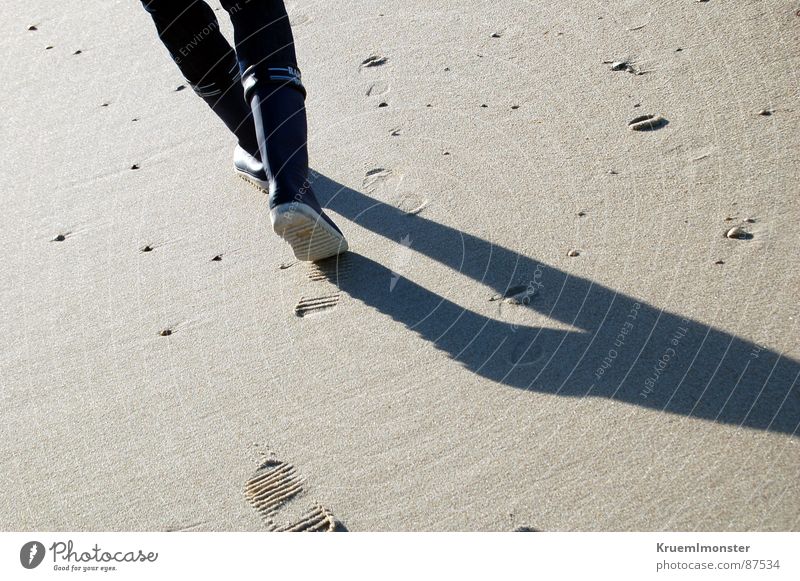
x=625, y=349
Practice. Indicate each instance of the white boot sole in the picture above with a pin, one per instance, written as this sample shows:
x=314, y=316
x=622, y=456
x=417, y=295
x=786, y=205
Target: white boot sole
x=257, y=184
x=309, y=235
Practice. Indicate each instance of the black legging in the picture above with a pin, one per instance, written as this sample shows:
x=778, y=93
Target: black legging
x=190, y=31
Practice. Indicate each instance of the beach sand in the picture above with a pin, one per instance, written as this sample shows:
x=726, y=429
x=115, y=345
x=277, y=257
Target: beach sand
x=542, y=323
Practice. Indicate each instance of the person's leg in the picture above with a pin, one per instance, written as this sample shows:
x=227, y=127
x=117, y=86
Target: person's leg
x=273, y=88
x=190, y=31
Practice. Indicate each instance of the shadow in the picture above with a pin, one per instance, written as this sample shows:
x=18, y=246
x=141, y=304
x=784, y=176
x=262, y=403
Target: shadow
x=618, y=347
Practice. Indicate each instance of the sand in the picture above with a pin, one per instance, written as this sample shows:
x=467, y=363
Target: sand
x=541, y=323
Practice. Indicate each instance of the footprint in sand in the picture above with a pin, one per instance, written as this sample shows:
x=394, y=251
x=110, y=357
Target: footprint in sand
x=523, y=354
x=381, y=178
x=299, y=19
x=312, y=305
x=273, y=492
x=322, y=285
x=385, y=184
x=331, y=269
x=377, y=88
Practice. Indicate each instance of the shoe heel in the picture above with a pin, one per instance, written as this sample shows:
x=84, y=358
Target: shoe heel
x=309, y=235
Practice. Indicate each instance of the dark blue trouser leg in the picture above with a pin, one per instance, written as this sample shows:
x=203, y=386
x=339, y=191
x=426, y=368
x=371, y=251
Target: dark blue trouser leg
x=190, y=31
x=265, y=49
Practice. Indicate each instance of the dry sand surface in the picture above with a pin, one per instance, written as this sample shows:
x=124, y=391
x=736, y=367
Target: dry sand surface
x=541, y=323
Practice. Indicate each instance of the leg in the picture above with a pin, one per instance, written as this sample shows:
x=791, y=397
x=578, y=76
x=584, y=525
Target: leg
x=273, y=88
x=190, y=31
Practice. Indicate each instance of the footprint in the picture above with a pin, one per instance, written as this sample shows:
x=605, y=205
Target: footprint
x=317, y=519
x=386, y=183
x=411, y=205
x=378, y=88
x=271, y=490
x=381, y=178
x=331, y=269
x=299, y=19
x=524, y=354
x=312, y=305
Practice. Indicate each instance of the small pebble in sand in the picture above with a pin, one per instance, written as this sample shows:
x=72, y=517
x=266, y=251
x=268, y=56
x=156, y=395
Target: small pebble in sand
x=165, y=332
x=581, y=214
x=646, y=123
x=515, y=107
x=180, y=88
x=484, y=106
x=611, y=172
x=619, y=65
x=495, y=35
x=48, y=47
x=720, y=262
x=738, y=233
x=383, y=104
x=33, y=27
x=134, y=119
x=217, y=258
x=750, y=220
x=77, y=51
x=445, y=153
x=147, y=248
x=396, y=132
x=765, y=112
x=59, y=238
x=573, y=253
x=104, y=104
x=135, y=166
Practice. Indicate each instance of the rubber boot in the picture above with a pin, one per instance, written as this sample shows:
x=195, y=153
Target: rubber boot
x=226, y=99
x=276, y=97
